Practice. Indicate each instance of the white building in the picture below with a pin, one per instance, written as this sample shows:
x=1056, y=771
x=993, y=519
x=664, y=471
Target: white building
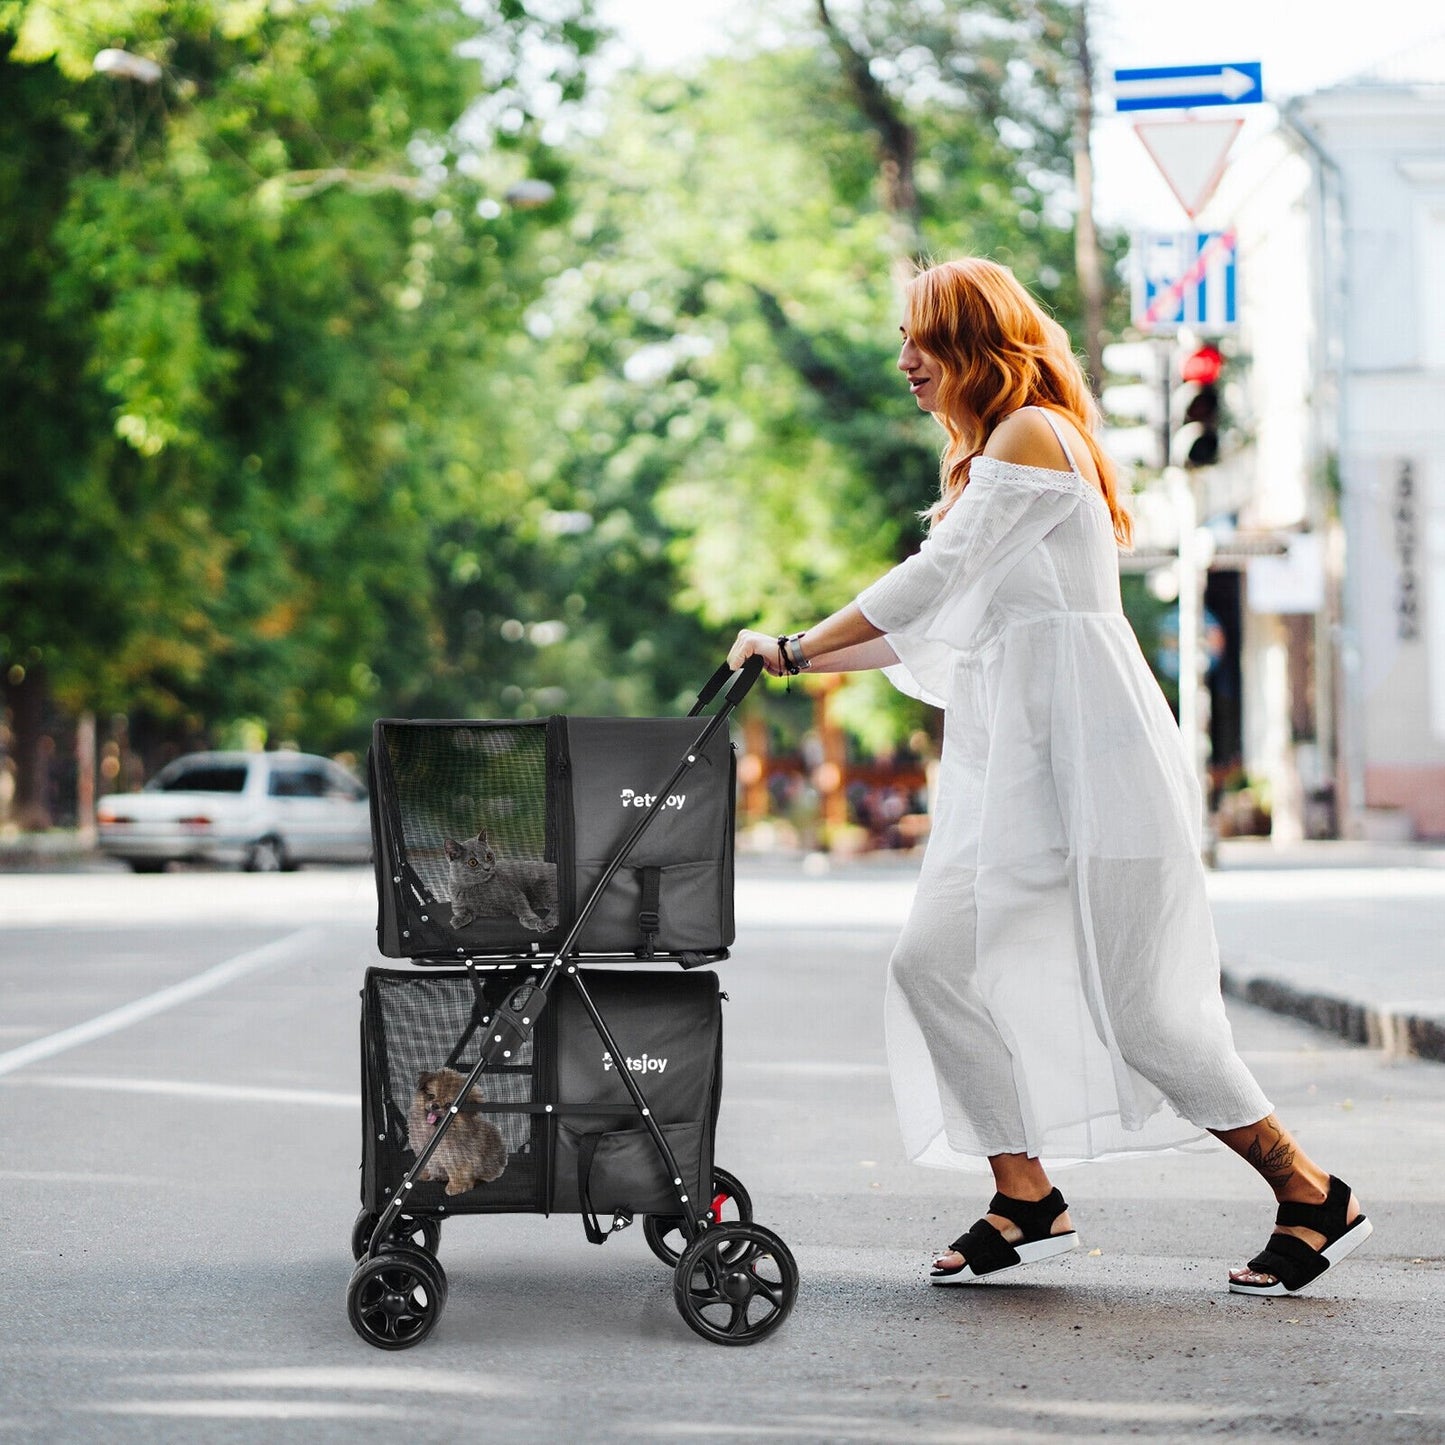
x=1341, y=222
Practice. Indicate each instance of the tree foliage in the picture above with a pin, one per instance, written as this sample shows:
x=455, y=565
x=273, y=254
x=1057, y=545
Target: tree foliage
x=309, y=424
x=729, y=326
x=248, y=313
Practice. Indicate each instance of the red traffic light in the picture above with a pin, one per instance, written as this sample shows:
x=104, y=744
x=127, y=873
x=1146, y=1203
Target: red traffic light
x=1203, y=365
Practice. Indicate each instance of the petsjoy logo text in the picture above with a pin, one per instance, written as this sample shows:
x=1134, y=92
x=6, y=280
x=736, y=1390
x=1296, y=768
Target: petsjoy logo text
x=645, y=1064
x=633, y=799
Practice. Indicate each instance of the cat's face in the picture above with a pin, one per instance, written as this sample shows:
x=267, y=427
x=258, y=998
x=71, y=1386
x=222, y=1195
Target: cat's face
x=475, y=858
x=438, y=1091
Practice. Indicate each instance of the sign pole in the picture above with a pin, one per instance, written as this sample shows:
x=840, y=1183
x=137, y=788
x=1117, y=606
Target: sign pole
x=1165, y=345
x=1195, y=555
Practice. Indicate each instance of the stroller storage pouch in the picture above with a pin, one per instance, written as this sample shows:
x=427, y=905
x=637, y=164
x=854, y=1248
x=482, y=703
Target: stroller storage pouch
x=489, y=837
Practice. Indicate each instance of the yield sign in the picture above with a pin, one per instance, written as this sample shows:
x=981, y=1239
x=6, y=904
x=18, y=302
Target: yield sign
x=1190, y=155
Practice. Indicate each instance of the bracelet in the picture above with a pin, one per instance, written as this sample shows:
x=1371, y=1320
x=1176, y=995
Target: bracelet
x=790, y=654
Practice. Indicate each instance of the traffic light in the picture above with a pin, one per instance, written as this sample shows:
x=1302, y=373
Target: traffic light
x=1195, y=443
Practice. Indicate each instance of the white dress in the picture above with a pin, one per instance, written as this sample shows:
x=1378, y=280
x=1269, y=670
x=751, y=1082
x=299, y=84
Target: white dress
x=1055, y=990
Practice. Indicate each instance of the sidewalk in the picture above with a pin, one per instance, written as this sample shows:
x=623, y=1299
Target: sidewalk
x=1349, y=937
x=60, y=847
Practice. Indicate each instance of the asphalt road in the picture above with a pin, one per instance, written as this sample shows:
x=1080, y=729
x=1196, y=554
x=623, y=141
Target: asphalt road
x=179, y=1140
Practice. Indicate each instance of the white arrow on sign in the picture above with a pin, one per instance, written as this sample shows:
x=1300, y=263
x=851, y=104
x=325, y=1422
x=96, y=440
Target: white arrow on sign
x=1231, y=84
x=1190, y=155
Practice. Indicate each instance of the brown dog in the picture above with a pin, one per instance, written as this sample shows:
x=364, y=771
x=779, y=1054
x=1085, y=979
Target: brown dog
x=472, y=1150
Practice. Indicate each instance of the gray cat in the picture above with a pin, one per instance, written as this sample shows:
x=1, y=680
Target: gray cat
x=485, y=886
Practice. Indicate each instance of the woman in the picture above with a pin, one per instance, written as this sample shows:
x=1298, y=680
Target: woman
x=1056, y=988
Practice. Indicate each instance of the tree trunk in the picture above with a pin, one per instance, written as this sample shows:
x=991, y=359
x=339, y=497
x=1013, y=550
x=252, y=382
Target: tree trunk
x=85, y=773
x=897, y=147
x=1086, y=242
x=32, y=749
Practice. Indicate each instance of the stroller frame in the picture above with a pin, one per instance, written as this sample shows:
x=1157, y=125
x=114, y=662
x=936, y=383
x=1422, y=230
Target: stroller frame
x=398, y=1288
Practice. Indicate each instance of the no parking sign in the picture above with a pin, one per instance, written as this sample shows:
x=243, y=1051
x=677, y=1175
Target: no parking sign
x=1185, y=279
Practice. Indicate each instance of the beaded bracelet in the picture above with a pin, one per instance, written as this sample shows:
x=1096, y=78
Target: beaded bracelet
x=790, y=654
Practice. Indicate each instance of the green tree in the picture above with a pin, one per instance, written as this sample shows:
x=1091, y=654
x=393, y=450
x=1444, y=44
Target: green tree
x=246, y=313
x=726, y=329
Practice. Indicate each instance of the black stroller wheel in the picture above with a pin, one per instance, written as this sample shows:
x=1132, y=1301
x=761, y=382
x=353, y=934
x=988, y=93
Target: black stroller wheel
x=666, y=1234
x=735, y=1284
x=419, y=1233
x=425, y=1261
x=394, y=1300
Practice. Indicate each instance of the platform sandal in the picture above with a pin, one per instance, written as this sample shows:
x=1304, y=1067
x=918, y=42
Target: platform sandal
x=1293, y=1263
x=986, y=1252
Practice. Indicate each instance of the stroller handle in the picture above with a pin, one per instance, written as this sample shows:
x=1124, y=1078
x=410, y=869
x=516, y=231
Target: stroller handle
x=743, y=680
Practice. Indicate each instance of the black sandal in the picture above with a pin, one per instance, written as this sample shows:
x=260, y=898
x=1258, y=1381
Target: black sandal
x=1292, y=1262
x=986, y=1252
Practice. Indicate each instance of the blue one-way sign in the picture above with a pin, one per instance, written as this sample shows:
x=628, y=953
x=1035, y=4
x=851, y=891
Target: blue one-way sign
x=1181, y=87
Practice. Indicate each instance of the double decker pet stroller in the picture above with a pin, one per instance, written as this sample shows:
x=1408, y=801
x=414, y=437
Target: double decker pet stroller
x=518, y=863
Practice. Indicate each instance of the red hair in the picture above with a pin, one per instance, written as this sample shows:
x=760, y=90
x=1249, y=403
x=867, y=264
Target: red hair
x=996, y=351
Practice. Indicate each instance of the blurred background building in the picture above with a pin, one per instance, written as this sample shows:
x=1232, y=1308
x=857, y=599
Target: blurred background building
x=1337, y=402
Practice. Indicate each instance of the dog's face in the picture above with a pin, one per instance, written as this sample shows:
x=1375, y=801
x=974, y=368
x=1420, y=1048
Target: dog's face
x=438, y=1090
x=476, y=855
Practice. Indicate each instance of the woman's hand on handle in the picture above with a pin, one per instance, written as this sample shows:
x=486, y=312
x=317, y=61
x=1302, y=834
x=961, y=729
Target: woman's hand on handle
x=844, y=642
x=756, y=644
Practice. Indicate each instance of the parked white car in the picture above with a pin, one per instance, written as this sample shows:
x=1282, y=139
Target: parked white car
x=265, y=811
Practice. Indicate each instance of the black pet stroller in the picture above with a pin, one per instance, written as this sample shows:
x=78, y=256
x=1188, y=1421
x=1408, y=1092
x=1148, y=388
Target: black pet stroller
x=511, y=858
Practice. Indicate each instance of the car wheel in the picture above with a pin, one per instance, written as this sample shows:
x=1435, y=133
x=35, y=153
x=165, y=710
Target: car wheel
x=265, y=855
x=147, y=865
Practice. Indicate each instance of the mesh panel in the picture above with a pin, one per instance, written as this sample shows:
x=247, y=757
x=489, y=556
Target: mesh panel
x=421, y=1025
x=453, y=782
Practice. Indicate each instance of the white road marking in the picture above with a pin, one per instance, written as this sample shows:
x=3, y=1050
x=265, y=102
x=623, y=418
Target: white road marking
x=251, y=1410
x=1324, y=885
x=873, y=903
x=868, y=938
x=282, y=950
x=339, y=1377
x=68, y=1176
x=109, y=902
x=187, y=1089
x=808, y=1069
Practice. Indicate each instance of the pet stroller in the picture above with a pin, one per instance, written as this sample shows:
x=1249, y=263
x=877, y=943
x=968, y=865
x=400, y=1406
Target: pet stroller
x=518, y=863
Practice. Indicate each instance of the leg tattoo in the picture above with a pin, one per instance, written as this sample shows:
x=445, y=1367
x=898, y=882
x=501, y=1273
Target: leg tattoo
x=1271, y=1151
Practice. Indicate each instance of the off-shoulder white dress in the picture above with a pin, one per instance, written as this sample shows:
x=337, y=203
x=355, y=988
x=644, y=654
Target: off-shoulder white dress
x=1056, y=988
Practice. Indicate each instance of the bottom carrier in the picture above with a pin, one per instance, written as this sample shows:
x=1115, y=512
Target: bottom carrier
x=605, y=1105
x=531, y=1119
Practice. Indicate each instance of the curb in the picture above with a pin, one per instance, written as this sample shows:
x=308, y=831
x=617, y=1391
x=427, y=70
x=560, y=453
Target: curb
x=1400, y=1035
x=20, y=852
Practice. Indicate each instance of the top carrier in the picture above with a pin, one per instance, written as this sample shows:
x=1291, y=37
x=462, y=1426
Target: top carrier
x=490, y=835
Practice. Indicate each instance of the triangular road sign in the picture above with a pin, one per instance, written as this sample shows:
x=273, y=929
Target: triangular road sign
x=1190, y=155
